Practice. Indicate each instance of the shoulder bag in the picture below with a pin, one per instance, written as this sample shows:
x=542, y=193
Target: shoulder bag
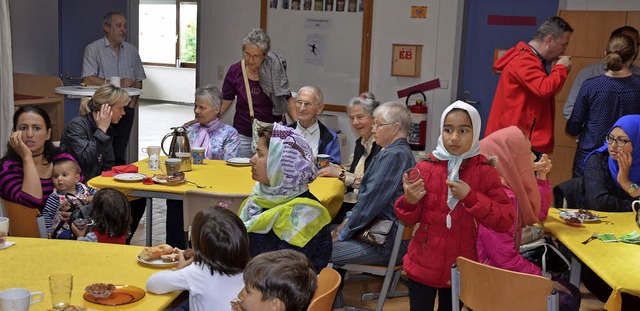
x=255, y=123
x=376, y=232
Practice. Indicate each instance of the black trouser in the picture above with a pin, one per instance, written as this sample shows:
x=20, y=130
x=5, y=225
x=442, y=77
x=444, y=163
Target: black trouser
x=175, y=224
x=121, y=134
x=137, y=209
x=422, y=297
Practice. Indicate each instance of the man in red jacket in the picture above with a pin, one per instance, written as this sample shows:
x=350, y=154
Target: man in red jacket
x=525, y=93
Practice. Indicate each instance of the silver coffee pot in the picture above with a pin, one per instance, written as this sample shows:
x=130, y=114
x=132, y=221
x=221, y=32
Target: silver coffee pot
x=179, y=147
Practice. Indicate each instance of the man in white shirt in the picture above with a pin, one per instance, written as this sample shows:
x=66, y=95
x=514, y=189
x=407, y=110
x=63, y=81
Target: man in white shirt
x=322, y=140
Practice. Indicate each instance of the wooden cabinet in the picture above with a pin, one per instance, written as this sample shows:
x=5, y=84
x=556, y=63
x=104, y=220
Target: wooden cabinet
x=586, y=46
x=39, y=90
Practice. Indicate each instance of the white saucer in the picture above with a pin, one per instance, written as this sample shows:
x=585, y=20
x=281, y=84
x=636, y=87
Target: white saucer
x=239, y=161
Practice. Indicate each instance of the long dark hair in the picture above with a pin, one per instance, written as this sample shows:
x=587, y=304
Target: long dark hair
x=111, y=212
x=49, y=149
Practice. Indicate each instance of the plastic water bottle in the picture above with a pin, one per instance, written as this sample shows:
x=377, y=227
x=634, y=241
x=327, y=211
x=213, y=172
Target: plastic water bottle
x=154, y=162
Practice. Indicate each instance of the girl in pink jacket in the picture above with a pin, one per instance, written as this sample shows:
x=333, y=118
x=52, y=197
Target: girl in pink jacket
x=530, y=199
x=458, y=190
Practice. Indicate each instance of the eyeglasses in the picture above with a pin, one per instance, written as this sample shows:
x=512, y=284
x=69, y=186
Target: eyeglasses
x=619, y=141
x=248, y=56
x=377, y=125
x=304, y=104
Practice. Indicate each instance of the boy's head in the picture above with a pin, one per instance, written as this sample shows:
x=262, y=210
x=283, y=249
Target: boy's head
x=220, y=241
x=66, y=174
x=280, y=280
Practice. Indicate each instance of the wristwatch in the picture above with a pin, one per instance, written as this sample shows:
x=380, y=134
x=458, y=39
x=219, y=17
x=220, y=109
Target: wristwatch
x=342, y=175
x=632, y=189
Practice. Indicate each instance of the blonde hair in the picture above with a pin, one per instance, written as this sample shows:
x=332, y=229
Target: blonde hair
x=106, y=94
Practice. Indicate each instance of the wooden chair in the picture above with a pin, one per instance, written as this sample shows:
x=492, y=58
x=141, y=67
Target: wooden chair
x=22, y=220
x=391, y=272
x=195, y=201
x=481, y=287
x=328, y=283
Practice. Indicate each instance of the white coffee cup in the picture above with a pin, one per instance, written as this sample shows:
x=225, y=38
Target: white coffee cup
x=19, y=299
x=633, y=205
x=115, y=81
x=4, y=229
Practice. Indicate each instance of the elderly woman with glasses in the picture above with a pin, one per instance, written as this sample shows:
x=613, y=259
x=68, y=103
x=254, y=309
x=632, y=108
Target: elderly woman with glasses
x=265, y=74
x=381, y=187
x=361, y=113
x=611, y=172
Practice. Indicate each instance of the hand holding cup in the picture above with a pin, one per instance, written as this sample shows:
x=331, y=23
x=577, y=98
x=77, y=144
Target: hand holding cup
x=413, y=186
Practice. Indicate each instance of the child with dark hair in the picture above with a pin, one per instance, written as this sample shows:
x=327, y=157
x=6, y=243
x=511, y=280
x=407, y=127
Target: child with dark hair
x=111, y=216
x=281, y=280
x=68, y=192
x=221, y=251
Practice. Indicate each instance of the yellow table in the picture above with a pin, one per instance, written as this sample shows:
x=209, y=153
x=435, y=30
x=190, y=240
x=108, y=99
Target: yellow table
x=30, y=261
x=616, y=262
x=217, y=176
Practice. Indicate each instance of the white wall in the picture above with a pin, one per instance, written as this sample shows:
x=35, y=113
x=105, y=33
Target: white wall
x=34, y=36
x=600, y=5
x=169, y=83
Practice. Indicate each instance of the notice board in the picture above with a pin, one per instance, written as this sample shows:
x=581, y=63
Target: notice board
x=322, y=42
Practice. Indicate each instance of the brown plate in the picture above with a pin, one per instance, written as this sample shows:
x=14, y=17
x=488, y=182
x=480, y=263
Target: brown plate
x=123, y=294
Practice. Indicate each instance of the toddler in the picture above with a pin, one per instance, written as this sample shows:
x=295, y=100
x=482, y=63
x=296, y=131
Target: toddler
x=68, y=191
x=111, y=218
x=458, y=189
x=213, y=276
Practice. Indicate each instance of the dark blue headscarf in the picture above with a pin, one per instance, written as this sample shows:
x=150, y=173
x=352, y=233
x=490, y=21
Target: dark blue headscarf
x=630, y=124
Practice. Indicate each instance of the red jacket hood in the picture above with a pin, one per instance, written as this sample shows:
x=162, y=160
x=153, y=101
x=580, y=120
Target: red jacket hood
x=521, y=47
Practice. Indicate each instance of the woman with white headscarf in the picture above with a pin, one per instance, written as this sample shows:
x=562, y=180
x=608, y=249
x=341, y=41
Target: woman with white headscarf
x=458, y=188
x=281, y=212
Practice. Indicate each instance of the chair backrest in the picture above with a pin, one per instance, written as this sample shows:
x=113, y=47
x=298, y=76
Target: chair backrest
x=22, y=220
x=195, y=201
x=481, y=287
x=328, y=283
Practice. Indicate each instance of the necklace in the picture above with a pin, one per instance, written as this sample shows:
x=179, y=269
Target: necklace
x=37, y=155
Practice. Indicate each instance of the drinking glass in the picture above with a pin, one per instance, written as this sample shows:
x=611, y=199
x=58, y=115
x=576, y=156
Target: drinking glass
x=4, y=230
x=411, y=175
x=60, y=286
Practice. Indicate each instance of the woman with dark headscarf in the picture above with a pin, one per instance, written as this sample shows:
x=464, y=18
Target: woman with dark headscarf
x=281, y=212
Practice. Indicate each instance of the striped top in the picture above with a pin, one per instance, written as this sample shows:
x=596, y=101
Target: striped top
x=11, y=176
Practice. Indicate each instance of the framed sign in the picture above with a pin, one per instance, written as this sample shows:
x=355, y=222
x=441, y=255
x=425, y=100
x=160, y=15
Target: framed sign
x=407, y=60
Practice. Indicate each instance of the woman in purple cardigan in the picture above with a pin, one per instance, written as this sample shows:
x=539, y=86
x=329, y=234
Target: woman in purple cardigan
x=26, y=168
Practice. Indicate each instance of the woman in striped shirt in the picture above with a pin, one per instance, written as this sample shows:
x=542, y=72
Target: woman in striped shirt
x=26, y=168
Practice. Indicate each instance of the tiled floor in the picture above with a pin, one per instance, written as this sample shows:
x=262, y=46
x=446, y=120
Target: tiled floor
x=156, y=119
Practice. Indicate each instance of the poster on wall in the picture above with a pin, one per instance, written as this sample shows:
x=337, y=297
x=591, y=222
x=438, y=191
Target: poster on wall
x=307, y=5
x=340, y=5
x=328, y=5
x=285, y=4
x=314, y=49
x=295, y=4
x=273, y=4
x=318, y=5
x=353, y=5
x=361, y=6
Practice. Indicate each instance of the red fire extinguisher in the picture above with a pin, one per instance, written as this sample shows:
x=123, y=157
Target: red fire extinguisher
x=419, y=113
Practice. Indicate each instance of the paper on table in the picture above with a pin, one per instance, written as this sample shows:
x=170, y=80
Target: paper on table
x=7, y=244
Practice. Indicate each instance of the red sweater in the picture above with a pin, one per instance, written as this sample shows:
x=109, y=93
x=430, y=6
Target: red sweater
x=525, y=96
x=434, y=247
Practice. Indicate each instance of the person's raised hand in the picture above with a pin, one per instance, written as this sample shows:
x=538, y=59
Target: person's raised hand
x=16, y=143
x=459, y=189
x=77, y=232
x=624, y=162
x=566, y=61
x=543, y=167
x=413, y=192
x=330, y=171
x=182, y=262
x=103, y=117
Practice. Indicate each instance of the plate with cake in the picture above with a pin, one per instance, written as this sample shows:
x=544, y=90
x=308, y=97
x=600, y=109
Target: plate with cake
x=162, y=255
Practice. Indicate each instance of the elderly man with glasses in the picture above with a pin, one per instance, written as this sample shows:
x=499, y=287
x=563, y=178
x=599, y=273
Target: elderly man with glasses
x=322, y=140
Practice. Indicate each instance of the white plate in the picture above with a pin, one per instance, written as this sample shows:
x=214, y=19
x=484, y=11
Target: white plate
x=239, y=161
x=165, y=182
x=156, y=262
x=568, y=214
x=6, y=244
x=130, y=177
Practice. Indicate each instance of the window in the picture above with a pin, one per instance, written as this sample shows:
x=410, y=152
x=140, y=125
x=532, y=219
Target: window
x=168, y=32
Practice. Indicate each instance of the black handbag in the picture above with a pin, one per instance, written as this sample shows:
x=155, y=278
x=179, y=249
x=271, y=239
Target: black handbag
x=545, y=255
x=78, y=211
x=376, y=232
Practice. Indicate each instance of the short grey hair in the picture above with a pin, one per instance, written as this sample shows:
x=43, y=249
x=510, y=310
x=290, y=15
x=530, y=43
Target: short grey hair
x=395, y=111
x=108, y=18
x=554, y=26
x=211, y=94
x=366, y=100
x=315, y=91
x=259, y=38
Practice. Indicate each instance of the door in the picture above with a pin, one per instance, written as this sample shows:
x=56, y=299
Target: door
x=491, y=25
x=80, y=24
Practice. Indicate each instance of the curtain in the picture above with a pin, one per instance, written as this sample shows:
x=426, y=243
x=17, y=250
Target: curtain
x=6, y=77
